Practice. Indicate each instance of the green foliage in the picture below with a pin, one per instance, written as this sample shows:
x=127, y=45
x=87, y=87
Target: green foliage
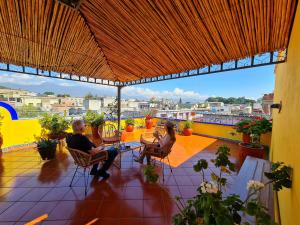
x=243, y=126
x=150, y=174
x=89, y=96
x=256, y=209
x=260, y=126
x=98, y=121
x=256, y=126
x=48, y=93
x=93, y=118
x=46, y=143
x=222, y=159
x=210, y=207
x=280, y=175
x=63, y=95
x=201, y=165
x=187, y=124
x=129, y=121
x=90, y=116
x=54, y=124
x=231, y=100
x=28, y=111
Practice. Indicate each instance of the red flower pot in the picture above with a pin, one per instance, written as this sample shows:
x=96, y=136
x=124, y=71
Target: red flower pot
x=129, y=128
x=246, y=138
x=149, y=123
x=95, y=132
x=187, y=131
x=247, y=150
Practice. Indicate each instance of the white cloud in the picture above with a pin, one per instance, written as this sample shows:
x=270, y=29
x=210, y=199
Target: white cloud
x=176, y=93
x=66, y=84
x=22, y=79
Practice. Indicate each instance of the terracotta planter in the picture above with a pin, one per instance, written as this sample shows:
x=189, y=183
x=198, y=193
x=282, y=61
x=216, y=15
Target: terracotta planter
x=95, y=133
x=123, y=136
x=246, y=138
x=187, y=131
x=129, y=128
x=149, y=123
x=246, y=150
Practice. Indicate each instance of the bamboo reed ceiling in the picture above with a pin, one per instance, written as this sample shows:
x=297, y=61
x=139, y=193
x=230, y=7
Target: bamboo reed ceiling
x=129, y=40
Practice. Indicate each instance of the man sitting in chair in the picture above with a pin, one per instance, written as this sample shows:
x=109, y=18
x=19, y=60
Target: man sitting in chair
x=79, y=141
x=157, y=146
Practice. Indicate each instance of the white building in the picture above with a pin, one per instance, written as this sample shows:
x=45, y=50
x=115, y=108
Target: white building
x=92, y=104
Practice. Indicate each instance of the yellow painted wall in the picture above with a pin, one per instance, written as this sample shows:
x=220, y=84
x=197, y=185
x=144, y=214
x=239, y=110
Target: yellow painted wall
x=286, y=125
x=16, y=132
x=221, y=131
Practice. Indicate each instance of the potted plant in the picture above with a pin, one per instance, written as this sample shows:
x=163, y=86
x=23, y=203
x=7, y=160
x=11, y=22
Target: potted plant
x=150, y=174
x=55, y=125
x=46, y=148
x=88, y=119
x=97, y=126
x=244, y=127
x=187, y=128
x=211, y=206
x=257, y=127
x=129, y=124
x=148, y=120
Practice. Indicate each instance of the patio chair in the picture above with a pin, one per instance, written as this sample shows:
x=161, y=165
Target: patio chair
x=162, y=154
x=86, y=161
x=149, y=135
x=109, y=134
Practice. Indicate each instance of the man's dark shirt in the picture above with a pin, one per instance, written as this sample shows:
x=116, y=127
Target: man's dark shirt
x=80, y=142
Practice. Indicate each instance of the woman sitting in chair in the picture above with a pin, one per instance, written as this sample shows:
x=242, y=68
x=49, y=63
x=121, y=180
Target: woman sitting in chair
x=160, y=144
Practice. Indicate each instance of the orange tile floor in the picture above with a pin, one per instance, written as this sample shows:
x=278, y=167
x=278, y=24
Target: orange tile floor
x=31, y=188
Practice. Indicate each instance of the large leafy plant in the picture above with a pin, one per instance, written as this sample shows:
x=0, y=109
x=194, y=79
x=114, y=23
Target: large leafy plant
x=187, y=124
x=55, y=124
x=90, y=116
x=211, y=207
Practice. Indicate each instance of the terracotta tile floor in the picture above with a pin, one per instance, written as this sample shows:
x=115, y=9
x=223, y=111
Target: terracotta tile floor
x=30, y=187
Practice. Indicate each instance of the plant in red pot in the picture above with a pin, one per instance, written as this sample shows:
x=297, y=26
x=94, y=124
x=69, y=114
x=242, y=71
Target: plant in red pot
x=187, y=129
x=244, y=128
x=148, y=121
x=257, y=127
x=97, y=126
x=129, y=124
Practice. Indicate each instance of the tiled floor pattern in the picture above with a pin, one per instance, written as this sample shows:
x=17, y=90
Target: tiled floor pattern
x=30, y=188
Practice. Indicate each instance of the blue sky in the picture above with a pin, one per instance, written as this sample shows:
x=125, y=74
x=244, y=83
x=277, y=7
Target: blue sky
x=251, y=83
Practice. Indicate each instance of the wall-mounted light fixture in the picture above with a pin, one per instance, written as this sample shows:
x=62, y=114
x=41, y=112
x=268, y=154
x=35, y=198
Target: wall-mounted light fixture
x=277, y=106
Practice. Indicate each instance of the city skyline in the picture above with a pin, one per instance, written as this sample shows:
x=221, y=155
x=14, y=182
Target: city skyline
x=249, y=83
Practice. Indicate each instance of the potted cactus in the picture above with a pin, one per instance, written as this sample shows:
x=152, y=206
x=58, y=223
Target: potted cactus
x=187, y=129
x=129, y=124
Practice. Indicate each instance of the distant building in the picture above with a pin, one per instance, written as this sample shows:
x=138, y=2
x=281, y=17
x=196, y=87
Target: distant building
x=267, y=101
x=92, y=104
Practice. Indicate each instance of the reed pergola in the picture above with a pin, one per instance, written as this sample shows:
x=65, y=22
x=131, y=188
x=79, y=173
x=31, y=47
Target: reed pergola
x=119, y=43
